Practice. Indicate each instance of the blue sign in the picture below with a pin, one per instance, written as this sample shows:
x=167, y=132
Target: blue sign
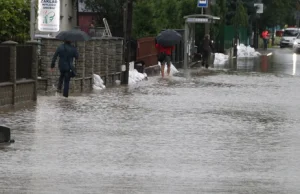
x=202, y=3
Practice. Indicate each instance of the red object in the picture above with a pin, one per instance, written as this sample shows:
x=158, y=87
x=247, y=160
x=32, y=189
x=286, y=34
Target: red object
x=85, y=19
x=265, y=34
x=264, y=64
x=167, y=50
x=279, y=33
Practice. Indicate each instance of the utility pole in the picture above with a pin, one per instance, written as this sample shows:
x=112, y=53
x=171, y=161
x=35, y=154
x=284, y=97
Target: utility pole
x=127, y=38
x=235, y=34
x=32, y=19
x=207, y=12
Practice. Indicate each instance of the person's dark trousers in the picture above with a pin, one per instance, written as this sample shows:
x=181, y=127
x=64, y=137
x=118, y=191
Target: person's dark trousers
x=64, y=78
x=265, y=43
x=205, y=58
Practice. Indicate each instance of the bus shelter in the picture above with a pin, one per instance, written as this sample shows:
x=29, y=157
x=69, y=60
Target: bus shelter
x=189, y=35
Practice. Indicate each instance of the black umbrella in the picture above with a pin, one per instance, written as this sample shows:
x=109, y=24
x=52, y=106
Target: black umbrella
x=168, y=38
x=73, y=35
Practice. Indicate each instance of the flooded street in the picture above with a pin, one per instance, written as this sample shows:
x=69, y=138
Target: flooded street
x=234, y=130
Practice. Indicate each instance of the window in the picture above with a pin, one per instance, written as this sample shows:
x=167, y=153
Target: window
x=291, y=33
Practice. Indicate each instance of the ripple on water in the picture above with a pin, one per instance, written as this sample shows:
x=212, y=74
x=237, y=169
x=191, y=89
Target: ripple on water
x=224, y=133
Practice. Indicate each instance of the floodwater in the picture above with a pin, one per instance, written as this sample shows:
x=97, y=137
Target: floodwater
x=228, y=130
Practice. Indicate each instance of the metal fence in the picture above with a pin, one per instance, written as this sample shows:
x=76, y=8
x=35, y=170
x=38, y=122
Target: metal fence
x=24, y=61
x=227, y=35
x=4, y=64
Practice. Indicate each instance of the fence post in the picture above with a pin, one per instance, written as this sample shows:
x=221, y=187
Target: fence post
x=119, y=55
x=34, y=66
x=13, y=66
x=97, y=56
x=80, y=65
x=89, y=63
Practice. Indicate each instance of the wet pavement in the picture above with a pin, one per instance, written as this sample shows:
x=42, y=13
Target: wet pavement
x=231, y=129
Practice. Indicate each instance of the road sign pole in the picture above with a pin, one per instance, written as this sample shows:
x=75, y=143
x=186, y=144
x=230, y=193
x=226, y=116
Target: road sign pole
x=32, y=19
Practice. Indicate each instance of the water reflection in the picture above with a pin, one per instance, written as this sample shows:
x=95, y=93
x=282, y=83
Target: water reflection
x=294, y=63
x=283, y=62
x=264, y=63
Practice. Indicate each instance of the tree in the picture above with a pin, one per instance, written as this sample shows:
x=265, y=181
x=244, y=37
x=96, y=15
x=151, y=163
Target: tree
x=150, y=16
x=240, y=19
x=277, y=12
x=14, y=19
x=143, y=24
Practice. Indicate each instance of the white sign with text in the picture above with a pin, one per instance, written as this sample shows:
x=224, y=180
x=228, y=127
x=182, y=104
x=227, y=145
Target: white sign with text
x=202, y=3
x=49, y=15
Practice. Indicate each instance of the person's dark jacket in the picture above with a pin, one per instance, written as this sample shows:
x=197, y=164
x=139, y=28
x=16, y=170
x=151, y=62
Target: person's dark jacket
x=66, y=53
x=207, y=45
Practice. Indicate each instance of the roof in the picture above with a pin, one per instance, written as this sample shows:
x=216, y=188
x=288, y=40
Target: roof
x=202, y=16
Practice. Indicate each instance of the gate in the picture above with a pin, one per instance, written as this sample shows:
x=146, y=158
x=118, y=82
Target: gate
x=4, y=64
x=227, y=35
x=24, y=61
x=146, y=51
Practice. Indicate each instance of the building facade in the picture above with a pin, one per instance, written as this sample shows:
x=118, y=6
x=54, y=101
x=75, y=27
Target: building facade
x=86, y=17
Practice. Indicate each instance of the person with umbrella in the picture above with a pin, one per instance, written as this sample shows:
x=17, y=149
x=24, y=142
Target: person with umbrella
x=165, y=44
x=164, y=56
x=66, y=53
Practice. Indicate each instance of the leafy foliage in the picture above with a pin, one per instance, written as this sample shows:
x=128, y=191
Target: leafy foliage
x=278, y=12
x=240, y=19
x=151, y=16
x=14, y=19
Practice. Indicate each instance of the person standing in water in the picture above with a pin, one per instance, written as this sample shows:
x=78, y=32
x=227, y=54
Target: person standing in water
x=66, y=53
x=164, y=56
x=206, y=50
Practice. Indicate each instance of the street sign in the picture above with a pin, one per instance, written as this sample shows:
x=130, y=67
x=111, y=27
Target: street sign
x=49, y=15
x=197, y=20
x=260, y=7
x=202, y=3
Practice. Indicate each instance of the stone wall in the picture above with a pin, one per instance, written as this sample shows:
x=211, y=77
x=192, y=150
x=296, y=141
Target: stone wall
x=6, y=94
x=102, y=56
x=19, y=91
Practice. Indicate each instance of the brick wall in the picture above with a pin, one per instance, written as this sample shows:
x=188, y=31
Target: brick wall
x=6, y=94
x=24, y=91
x=102, y=56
